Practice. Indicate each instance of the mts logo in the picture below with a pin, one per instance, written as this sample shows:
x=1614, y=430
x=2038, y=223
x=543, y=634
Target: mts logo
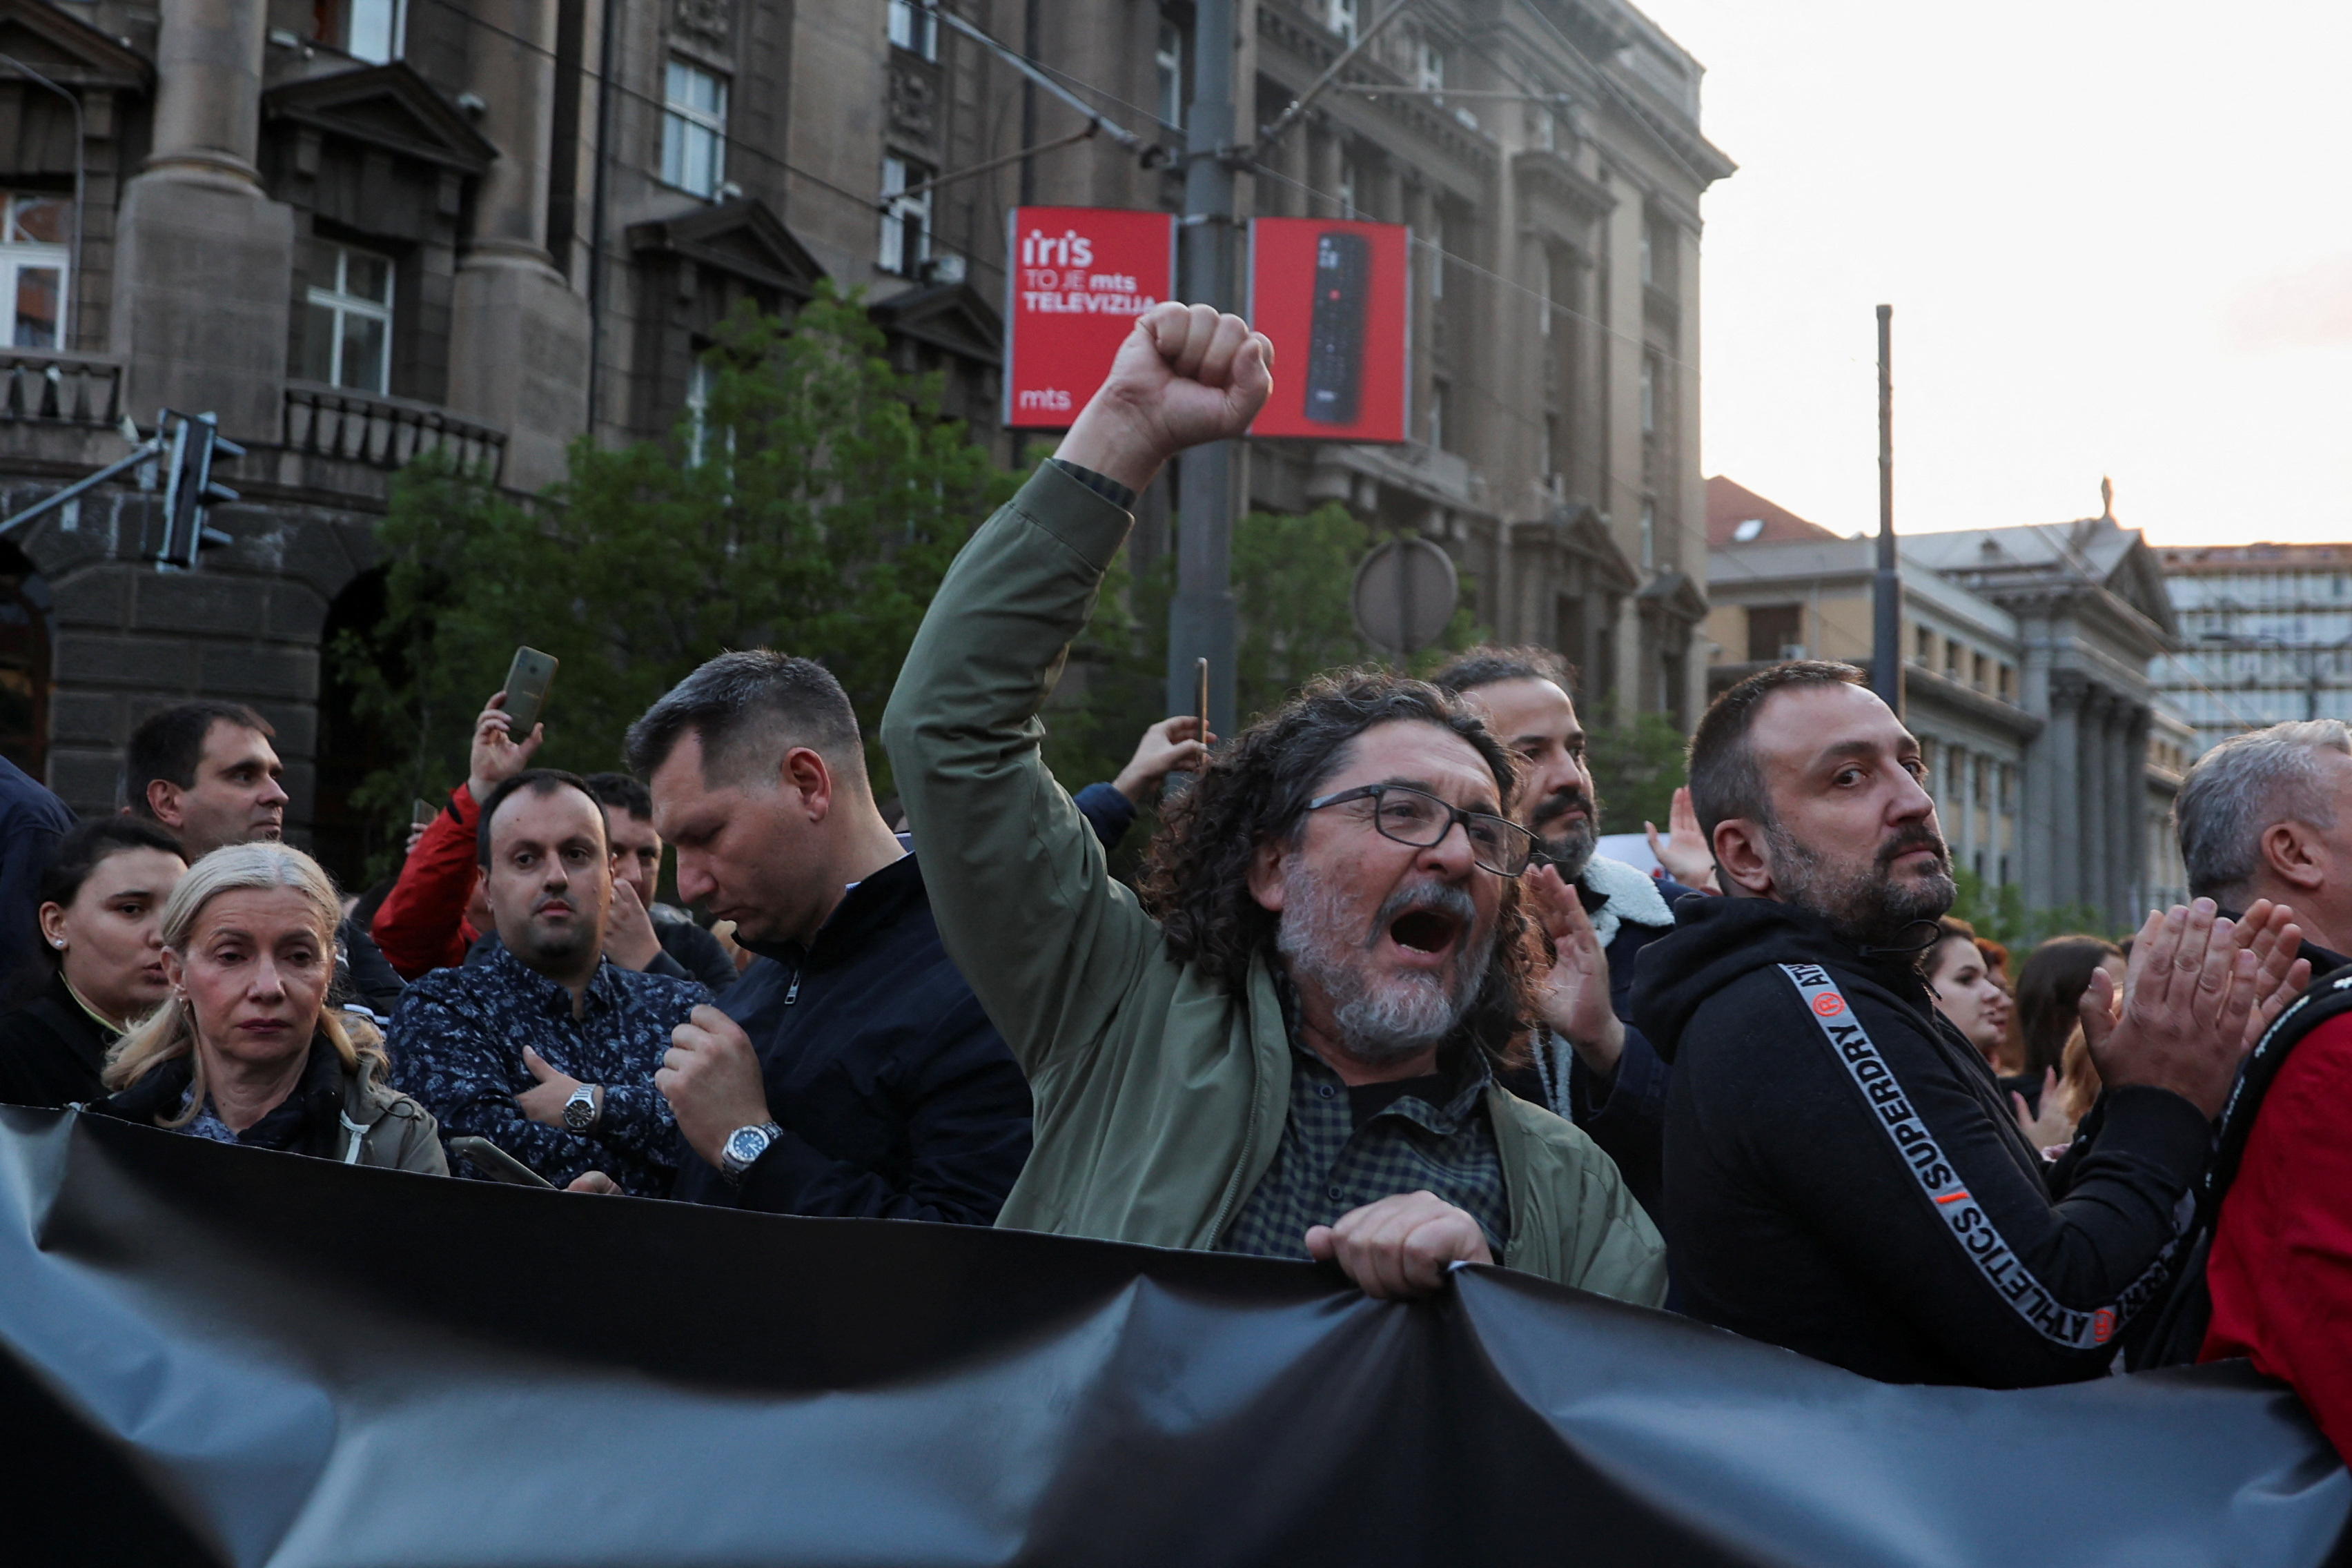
x=1045, y=400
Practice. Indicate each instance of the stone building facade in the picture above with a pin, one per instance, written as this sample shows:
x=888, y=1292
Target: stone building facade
x=2054, y=759
x=359, y=229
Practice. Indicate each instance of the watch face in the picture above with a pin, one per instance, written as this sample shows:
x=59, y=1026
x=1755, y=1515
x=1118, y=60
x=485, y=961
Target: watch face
x=746, y=1145
x=578, y=1112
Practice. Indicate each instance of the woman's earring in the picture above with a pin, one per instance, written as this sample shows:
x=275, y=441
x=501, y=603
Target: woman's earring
x=59, y=943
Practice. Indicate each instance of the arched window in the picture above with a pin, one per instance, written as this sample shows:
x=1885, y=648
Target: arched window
x=24, y=663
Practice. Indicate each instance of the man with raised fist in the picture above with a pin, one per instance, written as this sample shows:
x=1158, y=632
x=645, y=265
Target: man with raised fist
x=1288, y=1045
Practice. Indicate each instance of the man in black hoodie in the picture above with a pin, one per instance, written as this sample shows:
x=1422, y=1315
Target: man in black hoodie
x=1842, y=1176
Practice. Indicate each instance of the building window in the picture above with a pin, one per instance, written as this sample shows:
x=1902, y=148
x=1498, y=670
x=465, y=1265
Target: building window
x=906, y=220
x=1343, y=19
x=1923, y=647
x=1551, y=452
x=914, y=28
x=1346, y=190
x=36, y=266
x=700, y=381
x=1429, y=69
x=1649, y=534
x=1550, y=294
x=1547, y=130
x=1775, y=632
x=694, y=129
x=370, y=30
x=1168, y=64
x=1649, y=259
x=1438, y=393
x=1649, y=395
x=347, y=337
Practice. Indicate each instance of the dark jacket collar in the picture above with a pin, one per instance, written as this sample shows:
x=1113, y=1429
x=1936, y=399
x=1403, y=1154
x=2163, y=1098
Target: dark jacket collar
x=867, y=910
x=157, y=1096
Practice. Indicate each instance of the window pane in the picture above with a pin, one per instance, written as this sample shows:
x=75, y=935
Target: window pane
x=38, y=289
x=362, y=353
x=367, y=276
x=46, y=219
x=319, y=344
x=374, y=31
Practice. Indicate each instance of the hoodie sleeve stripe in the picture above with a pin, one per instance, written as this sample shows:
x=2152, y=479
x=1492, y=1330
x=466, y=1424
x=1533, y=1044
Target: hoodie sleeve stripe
x=1995, y=1259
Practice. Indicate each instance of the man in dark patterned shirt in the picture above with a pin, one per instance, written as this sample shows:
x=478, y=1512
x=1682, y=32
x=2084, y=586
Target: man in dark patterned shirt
x=548, y=1049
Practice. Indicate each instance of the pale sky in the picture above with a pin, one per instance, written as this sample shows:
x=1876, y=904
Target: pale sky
x=2116, y=237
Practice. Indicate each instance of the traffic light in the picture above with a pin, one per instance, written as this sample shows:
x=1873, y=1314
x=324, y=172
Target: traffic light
x=189, y=489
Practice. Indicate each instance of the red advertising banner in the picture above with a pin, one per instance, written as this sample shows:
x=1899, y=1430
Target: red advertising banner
x=1333, y=297
x=1077, y=278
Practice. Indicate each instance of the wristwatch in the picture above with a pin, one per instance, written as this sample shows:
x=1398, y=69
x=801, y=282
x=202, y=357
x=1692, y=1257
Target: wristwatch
x=743, y=1146
x=580, y=1110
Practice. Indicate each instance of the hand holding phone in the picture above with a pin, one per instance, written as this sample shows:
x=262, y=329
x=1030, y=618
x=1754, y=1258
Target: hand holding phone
x=528, y=679
x=497, y=1164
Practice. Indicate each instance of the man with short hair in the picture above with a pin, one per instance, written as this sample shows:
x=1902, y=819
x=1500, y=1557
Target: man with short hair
x=1842, y=1174
x=1599, y=914
x=547, y=1048
x=207, y=772
x=849, y=1072
x=1288, y=1047
x=2268, y=815
x=663, y=939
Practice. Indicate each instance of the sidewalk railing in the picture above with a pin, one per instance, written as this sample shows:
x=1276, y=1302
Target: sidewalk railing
x=385, y=432
x=60, y=388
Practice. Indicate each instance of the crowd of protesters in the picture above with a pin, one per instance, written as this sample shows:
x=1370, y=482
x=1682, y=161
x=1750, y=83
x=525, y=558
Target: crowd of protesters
x=1776, y=1086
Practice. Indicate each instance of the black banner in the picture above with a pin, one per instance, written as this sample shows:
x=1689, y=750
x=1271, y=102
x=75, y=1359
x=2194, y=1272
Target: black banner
x=214, y=1355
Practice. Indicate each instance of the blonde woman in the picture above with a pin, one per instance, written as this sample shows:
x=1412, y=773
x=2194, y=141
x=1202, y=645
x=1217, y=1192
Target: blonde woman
x=244, y=1051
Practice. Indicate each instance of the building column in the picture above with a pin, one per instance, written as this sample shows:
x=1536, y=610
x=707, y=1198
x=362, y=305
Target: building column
x=519, y=334
x=1322, y=171
x=1421, y=217
x=2058, y=870
x=202, y=257
x=2131, y=864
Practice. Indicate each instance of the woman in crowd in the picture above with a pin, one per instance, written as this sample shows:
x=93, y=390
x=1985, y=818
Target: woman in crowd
x=101, y=903
x=245, y=1050
x=1967, y=991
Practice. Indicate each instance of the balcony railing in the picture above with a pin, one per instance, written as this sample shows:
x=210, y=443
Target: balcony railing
x=385, y=432
x=61, y=389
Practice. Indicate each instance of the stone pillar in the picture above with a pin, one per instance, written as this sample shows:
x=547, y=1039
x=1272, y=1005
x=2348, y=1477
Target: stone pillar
x=2131, y=813
x=202, y=258
x=1421, y=217
x=2063, y=756
x=1323, y=171
x=519, y=334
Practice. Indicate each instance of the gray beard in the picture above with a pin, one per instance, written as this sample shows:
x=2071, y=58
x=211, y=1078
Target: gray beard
x=1866, y=906
x=1571, y=852
x=1382, y=1020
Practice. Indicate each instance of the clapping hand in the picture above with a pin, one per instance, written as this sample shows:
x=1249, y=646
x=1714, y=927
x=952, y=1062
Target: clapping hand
x=1683, y=852
x=1575, y=998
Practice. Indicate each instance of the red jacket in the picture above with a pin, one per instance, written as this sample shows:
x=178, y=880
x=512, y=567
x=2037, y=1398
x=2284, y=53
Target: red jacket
x=421, y=925
x=2281, y=1270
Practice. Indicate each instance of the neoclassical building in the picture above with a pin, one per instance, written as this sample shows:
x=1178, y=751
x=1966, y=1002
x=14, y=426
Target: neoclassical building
x=355, y=230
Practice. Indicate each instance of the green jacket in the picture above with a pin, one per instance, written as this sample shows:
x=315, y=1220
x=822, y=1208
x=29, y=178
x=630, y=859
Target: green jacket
x=1159, y=1093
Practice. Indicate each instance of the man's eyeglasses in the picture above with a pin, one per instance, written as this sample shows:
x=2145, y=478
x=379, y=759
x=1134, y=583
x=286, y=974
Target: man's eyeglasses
x=1414, y=816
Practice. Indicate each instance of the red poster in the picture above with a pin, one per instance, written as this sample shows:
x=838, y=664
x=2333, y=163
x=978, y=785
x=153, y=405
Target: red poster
x=1333, y=298
x=1077, y=278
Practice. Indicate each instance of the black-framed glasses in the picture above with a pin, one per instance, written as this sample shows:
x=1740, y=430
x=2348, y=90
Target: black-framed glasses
x=1415, y=817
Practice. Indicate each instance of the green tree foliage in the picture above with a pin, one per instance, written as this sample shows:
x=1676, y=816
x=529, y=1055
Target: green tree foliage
x=1636, y=767
x=1291, y=576
x=2000, y=914
x=813, y=507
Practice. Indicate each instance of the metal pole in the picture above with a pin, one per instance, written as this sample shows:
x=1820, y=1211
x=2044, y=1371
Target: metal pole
x=1202, y=623
x=1033, y=25
x=1887, y=589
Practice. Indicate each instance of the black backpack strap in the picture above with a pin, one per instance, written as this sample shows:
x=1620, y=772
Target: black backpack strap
x=2174, y=1334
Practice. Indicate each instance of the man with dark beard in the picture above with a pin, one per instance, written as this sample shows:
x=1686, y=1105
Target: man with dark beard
x=1597, y=913
x=1842, y=1176
x=1288, y=1046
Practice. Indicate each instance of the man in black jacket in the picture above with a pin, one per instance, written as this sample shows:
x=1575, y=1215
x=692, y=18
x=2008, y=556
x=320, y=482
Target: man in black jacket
x=1842, y=1176
x=849, y=1071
